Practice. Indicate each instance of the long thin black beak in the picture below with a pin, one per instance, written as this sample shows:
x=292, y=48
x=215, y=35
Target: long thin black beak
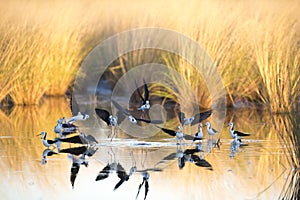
x=38, y=134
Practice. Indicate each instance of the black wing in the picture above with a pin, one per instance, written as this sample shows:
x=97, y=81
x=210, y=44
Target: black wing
x=120, y=116
x=139, y=92
x=146, y=92
x=121, y=172
x=119, y=107
x=140, y=188
x=190, y=151
x=200, y=117
x=188, y=137
x=241, y=134
x=196, y=137
x=104, y=173
x=91, y=138
x=201, y=162
x=168, y=131
x=74, y=171
x=171, y=156
x=67, y=125
x=119, y=184
x=75, y=140
x=181, y=162
x=122, y=175
x=75, y=151
x=146, y=189
x=181, y=117
x=150, y=121
x=103, y=114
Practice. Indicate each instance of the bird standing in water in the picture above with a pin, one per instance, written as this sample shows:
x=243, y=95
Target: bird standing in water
x=47, y=143
x=235, y=133
x=210, y=130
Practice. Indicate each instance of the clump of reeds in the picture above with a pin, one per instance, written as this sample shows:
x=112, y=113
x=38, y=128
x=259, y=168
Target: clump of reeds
x=257, y=57
x=275, y=44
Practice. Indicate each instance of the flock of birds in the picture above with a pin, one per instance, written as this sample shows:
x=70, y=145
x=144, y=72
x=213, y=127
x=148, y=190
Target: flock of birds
x=122, y=113
x=65, y=127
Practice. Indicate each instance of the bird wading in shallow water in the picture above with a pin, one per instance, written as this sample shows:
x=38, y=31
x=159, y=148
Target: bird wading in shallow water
x=195, y=119
x=47, y=143
x=210, y=130
x=64, y=128
x=199, y=134
x=234, y=133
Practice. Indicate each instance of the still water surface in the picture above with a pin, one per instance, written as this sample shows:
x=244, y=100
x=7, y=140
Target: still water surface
x=259, y=169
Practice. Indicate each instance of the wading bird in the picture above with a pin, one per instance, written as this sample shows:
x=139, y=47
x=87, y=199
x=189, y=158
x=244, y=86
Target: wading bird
x=64, y=128
x=79, y=139
x=47, y=143
x=195, y=119
x=199, y=134
x=210, y=130
x=234, y=133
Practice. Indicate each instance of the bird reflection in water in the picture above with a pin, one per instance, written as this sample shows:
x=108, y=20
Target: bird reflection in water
x=188, y=156
x=235, y=145
x=111, y=167
x=47, y=153
x=78, y=157
x=212, y=143
x=145, y=173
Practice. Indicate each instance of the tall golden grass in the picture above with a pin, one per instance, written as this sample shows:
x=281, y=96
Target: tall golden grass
x=255, y=45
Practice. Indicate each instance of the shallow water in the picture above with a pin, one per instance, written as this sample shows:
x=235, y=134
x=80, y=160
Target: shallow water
x=258, y=169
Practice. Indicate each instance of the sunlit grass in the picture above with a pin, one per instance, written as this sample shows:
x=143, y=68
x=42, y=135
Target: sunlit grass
x=255, y=46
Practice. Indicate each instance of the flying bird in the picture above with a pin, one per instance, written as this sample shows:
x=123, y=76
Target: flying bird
x=178, y=134
x=145, y=100
x=131, y=118
x=195, y=119
x=79, y=117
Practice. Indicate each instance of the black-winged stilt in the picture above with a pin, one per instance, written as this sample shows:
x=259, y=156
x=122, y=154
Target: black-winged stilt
x=104, y=173
x=47, y=152
x=131, y=118
x=123, y=176
x=195, y=119
x=63, y=127
x=145, y=100
x=146, y=177
x=110, y=119
x=77, y=161
x=47, y=143
x=199, y=134
x=210, y=130
x=179, y=134
x=88, y=139
x=79, y=117
x=235, y=133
